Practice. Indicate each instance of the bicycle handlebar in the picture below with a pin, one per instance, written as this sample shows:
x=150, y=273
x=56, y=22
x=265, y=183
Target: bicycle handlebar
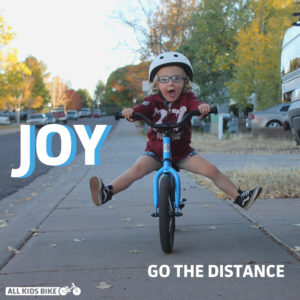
x=213, y=110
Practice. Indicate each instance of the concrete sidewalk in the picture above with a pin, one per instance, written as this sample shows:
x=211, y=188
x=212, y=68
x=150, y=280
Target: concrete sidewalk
x=63, y=238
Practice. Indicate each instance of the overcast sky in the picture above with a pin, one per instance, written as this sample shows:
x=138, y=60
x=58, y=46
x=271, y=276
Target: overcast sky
x=77, y=39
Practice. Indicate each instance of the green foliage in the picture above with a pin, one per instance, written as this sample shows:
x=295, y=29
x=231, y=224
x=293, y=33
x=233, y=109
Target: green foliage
x=86, y=100
x=211, y=47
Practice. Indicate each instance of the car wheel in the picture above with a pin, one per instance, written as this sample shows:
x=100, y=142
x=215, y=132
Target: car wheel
x=274, y=124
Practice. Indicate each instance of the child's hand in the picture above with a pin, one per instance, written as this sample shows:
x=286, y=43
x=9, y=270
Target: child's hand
x=204, y=109
x=127, y=113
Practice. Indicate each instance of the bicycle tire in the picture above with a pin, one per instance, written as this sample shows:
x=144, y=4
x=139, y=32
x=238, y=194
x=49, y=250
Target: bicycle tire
x=166, y=214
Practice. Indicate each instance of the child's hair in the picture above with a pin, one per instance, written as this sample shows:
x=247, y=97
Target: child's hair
x=153, y=86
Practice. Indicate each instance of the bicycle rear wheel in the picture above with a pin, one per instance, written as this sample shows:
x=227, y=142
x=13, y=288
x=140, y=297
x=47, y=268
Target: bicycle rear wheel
x=166, y=213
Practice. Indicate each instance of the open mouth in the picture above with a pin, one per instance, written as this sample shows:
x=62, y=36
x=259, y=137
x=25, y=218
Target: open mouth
x=171, y=93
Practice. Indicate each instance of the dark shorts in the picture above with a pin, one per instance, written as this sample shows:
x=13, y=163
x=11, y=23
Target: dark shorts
x=176, y=165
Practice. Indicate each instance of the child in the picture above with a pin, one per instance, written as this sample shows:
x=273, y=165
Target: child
x=171, y=75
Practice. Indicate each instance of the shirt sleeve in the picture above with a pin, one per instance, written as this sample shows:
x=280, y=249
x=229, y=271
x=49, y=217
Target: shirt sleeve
x=145, y=108
x=193, y=103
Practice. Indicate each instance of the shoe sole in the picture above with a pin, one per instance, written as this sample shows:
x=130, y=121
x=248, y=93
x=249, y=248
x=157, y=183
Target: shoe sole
x=95, y=187
x=253, y=198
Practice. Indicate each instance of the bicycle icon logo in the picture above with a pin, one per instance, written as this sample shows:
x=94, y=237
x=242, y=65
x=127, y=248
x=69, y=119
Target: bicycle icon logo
x=73, y=288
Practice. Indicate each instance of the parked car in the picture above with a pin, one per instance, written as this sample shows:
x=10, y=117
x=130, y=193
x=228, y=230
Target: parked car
x=4, y=120
x=10, y=114
x=96, y=113
x=294, y=119
x=85, y=112
x=50, y=117
x=37, y=119
x=72, y=115
x=274, y=116
x=59, y=114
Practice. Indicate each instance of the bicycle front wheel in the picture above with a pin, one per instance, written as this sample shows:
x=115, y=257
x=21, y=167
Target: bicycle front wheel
x=166, y=214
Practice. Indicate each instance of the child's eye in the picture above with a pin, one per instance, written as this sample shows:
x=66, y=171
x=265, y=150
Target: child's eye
x=177, y=78
x=174, y=78
x=163, y=79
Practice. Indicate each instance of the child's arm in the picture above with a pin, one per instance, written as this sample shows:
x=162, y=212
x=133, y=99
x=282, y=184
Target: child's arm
x=194, y=104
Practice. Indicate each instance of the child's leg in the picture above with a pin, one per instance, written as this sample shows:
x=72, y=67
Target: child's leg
x=101, y=193
x=199, y=165
x=143, y=166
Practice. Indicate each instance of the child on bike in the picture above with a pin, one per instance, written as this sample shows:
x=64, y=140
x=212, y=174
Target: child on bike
x=170, y=75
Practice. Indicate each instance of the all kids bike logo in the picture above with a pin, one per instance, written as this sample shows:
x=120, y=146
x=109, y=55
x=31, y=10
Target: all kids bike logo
x=43, y=291
x=42, y=146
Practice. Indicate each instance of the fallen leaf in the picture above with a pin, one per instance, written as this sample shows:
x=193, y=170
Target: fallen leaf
x=28, y=198
x=34, y=194
x=16, y=251
x=296, y=248
x=255, y=226
x=127, y=219
x=8, y=214
x=133, y=251
x=207, y=206
x=78, y=240
x=103, y=286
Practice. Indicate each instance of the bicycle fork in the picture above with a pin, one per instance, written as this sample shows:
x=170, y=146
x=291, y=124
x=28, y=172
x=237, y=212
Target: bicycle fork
x=167, y=169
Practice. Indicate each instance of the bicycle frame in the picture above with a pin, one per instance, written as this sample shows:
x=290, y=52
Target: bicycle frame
x=168, y=170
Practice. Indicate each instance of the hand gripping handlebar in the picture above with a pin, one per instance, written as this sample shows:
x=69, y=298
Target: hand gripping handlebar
x=213, y=110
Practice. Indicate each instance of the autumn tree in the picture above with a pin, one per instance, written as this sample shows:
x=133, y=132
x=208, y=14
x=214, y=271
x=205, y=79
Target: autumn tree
x=257, y=61
x=12, y=72
x=164, y=26
x=13, y=85
x=57, y=90
x=74, y=101
x=124, y=85
x=38, y=94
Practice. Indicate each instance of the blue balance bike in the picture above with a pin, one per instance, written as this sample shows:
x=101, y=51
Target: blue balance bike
x=166, y=184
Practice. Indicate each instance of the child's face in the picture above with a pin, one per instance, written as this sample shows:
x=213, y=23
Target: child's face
x=171, y=90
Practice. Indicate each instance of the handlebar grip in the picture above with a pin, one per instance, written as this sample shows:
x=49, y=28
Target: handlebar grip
x=214, y=110
x=118, y=115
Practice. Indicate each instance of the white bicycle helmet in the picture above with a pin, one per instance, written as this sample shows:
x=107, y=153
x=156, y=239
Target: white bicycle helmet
x=167, y=59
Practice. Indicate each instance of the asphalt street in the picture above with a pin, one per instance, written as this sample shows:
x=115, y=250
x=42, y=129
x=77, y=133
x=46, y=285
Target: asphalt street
x=52, y=236
x=10, y=154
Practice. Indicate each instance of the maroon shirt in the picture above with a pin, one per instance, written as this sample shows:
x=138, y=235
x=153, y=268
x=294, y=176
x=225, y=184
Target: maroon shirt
x=157, y=110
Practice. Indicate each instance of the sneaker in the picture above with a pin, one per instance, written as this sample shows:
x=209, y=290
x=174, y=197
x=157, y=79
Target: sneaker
x=100, y=193
x=247, y=198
